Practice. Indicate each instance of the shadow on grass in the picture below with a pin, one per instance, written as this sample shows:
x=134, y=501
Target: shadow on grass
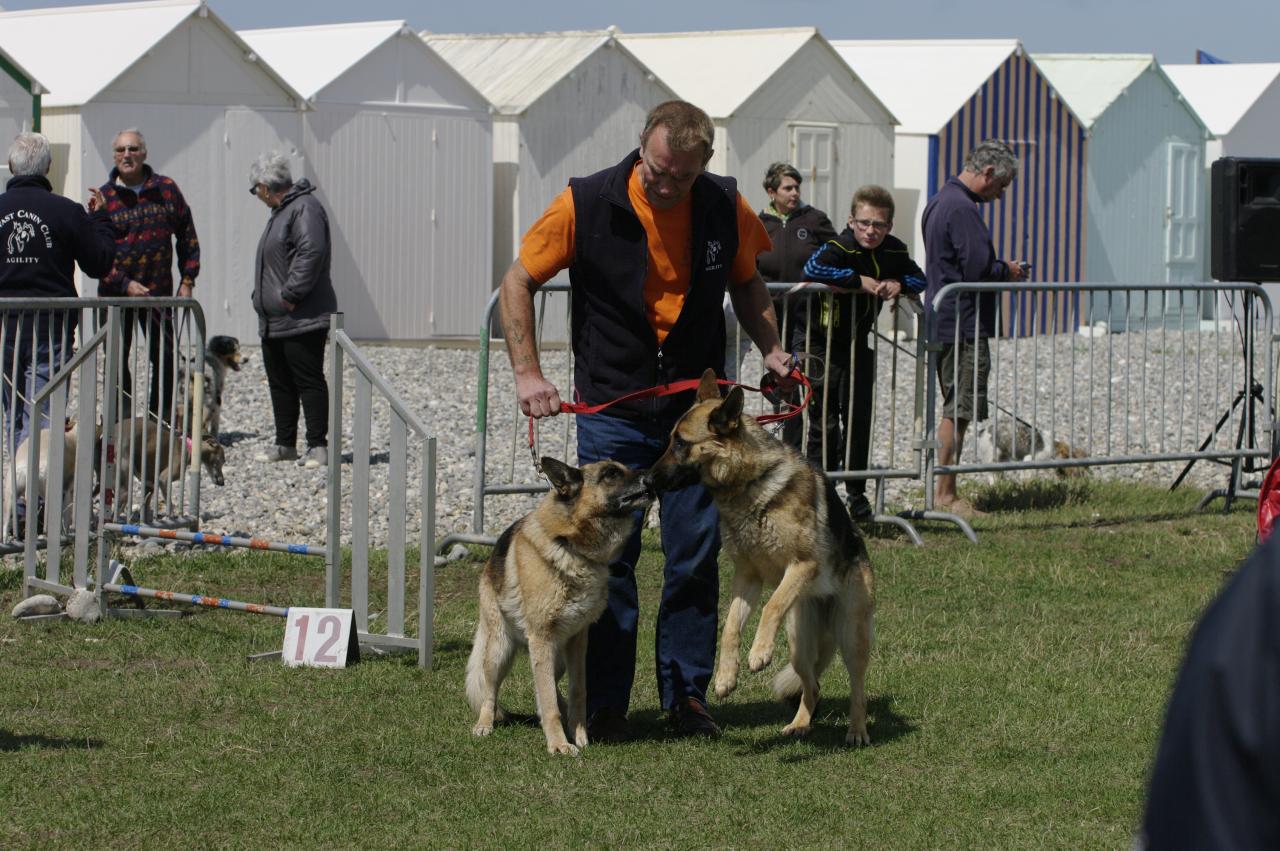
x=10, y=741
x=1034, y=495
x=829, y=728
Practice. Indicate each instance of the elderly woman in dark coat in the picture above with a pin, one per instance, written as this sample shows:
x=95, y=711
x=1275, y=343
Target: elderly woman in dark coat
x=293, y=296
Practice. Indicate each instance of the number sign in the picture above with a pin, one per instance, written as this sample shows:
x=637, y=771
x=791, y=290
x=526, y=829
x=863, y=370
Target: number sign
x=322, y=638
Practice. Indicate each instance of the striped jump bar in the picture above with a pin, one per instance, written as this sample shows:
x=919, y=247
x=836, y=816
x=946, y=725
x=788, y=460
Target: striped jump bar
x=195, y=599
x=214, y=538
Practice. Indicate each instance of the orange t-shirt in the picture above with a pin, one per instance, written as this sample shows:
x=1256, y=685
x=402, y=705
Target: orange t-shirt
x=549, y=245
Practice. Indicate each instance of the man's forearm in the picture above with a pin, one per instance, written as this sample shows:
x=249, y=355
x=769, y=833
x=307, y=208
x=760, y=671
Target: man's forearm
x=754, y=308
x=515, y=307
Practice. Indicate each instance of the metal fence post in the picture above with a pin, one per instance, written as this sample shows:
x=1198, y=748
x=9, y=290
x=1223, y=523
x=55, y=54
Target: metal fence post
x=333, y=542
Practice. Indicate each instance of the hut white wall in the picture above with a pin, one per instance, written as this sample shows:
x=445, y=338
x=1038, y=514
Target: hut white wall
x=911, y=189
x=815, y=88
x=15, y=113
x=587, y=121
x=400, y=152
x=1257, y=134
x=1128, y=181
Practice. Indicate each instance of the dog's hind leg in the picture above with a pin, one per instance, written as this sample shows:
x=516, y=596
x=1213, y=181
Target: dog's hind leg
x=804, y=630
x=575, y=652
x=853, y=622
x=542, y=658
x=745, y=594
x=797, y=578
x=490, y=661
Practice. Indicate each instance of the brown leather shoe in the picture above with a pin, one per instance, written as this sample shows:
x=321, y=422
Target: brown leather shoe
x=608, y=726
x=690, y=718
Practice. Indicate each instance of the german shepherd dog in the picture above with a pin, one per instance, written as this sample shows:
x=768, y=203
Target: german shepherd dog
x=544, y=585
x=783, y=525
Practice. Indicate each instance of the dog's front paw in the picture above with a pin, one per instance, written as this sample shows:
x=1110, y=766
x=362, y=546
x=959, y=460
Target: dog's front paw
x=481, y=729
x=857, y=737
x=562, y=748
x=796, y=730
x=760, y=658
x=725, y=687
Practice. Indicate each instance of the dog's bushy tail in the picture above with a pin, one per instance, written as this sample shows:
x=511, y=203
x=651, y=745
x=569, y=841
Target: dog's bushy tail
x=786, y=684
x=475, y=667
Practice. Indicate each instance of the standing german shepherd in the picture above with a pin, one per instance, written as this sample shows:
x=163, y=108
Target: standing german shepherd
x=545, y=584
x=784, y=526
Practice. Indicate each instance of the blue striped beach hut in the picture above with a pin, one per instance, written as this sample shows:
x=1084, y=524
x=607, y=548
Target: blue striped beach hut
x=948, y=95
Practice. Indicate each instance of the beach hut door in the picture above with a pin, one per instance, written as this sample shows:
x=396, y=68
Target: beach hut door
x=813, y=152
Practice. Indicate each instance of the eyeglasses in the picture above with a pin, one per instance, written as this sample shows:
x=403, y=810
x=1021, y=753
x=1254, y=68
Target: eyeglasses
x=129, y=149
x=872, y=224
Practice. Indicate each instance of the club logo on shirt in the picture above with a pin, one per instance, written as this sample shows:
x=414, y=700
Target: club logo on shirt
x=21, y=234
x=23, y=226
x=802, y=234
x=713, y=255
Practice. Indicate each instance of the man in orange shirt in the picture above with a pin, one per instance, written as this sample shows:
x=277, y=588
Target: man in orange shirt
x=651, y=246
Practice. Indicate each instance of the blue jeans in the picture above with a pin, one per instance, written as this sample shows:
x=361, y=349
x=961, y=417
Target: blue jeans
x=34, y=349
x=685, y=648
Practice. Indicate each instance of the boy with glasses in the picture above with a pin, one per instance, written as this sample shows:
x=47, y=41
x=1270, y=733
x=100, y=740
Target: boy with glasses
x=869, y=267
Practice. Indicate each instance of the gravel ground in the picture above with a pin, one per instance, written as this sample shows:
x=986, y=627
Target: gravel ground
x=1151, y=393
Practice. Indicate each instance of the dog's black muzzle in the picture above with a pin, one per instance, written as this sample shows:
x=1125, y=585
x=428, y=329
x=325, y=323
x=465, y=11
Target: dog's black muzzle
x=665, y=476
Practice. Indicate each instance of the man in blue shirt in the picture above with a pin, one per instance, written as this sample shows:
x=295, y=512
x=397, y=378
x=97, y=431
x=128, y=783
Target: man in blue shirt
x=958, y=247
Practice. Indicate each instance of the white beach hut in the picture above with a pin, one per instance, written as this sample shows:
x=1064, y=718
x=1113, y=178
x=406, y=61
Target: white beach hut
x=1145, y=181
x=205, y=103
x=399, y=145
x=779, y=94
x=565, y=104
x=19, y=102
x=1240, y=103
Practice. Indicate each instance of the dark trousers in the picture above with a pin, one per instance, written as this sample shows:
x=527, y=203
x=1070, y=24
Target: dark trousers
x=685, y=646
x=295, y=375
x=36, y=345
x=837, y=414
x=162, y=353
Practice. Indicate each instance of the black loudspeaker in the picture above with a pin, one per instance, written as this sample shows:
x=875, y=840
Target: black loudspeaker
x=1245, y=219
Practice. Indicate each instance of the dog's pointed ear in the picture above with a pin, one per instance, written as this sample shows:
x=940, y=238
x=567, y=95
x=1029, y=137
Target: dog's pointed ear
x=728, y=416
x=708, y=388
x=565, y=479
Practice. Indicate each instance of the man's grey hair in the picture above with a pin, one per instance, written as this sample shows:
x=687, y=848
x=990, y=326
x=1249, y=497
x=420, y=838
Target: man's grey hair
x=142, y=140
x=30, y=154
x=271, y=169
x=996, y=154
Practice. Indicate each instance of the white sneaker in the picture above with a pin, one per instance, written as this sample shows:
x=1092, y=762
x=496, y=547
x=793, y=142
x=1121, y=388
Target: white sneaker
x=317, y=456
x=277, y=453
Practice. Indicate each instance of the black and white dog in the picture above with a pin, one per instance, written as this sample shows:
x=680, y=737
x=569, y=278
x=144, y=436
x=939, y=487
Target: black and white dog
x=220, y=354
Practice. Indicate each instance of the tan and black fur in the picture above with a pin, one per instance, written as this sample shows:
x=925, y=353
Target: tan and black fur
x=544, y=585
x=15, y=484
x=152, y=452
x=784, y=526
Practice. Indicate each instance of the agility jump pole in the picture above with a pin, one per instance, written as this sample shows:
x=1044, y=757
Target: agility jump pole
x=196, y=599
x=215, y=538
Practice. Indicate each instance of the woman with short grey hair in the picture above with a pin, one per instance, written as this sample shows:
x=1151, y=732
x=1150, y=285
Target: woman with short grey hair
x=293, y=297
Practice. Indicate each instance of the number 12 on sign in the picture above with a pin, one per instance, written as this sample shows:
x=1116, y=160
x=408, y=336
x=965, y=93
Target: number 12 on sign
x=321, y=638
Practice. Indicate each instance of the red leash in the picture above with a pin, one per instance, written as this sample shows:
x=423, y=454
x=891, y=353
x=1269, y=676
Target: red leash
x=681, y=387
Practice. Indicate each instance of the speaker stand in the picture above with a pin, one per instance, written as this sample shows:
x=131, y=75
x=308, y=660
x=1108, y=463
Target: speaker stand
x=1246, y=434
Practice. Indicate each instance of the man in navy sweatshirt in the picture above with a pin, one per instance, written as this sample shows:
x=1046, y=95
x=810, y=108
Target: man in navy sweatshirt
x=42, y=237
x=958, y=248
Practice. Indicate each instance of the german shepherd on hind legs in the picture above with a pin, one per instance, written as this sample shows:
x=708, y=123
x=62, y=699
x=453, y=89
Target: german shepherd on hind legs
x=784, y=526
x=543, y=587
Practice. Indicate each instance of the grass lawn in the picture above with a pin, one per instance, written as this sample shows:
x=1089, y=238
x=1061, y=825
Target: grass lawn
x=1016, y=694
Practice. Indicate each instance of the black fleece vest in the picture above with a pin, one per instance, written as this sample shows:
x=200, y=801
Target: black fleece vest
x=615, y=348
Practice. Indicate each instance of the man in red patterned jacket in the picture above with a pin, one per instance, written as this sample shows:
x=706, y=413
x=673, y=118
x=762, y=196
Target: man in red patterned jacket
x=151, y=217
